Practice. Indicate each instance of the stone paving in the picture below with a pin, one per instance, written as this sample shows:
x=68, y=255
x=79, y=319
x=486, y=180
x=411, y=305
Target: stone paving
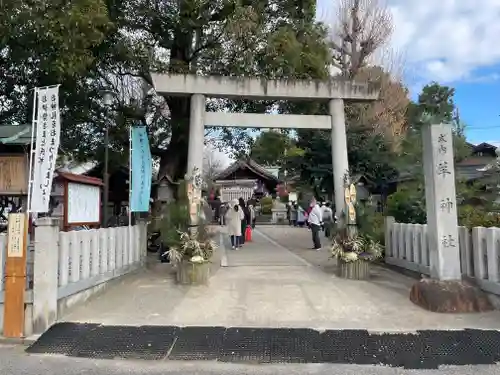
x=274, y=281
x=299, y=242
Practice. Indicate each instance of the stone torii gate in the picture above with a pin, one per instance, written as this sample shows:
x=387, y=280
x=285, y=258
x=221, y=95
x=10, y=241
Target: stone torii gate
x=333, y=91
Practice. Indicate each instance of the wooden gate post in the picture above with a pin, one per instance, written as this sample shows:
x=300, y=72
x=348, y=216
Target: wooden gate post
x=15, y=276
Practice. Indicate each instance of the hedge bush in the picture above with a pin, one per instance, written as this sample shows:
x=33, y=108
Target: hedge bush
x=266, y=205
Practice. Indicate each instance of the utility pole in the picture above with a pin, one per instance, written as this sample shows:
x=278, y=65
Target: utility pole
x=108, y=101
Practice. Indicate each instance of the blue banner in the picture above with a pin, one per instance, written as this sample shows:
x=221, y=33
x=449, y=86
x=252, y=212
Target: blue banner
x=142, y=170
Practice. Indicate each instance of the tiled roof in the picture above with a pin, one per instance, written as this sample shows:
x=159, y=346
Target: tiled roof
x=479, y=161
x=249, y=164
x=15, y=134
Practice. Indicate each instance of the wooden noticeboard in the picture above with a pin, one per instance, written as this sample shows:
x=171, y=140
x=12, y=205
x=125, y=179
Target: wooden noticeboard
x=13, y=175
x=69, y=180
x=15, y=275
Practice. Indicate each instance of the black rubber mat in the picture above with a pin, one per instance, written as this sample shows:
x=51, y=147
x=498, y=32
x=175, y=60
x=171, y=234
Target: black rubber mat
x=424, y=349
x=294, y=346
x=108, y=342
x=345, y=346
x=246, y=345
x=61, y=338
x=198, y=343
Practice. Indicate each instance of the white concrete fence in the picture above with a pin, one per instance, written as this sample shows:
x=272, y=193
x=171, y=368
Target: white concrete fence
x=407, y=246
x=66, y=268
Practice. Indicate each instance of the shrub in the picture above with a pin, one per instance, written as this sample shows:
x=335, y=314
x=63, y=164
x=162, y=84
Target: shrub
x=407, y=205
x=471, y=216
x=266, y=205
x=370, y=222
x=176, y=220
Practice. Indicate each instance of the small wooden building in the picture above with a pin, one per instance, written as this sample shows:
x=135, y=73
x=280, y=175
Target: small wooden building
x=14, y=167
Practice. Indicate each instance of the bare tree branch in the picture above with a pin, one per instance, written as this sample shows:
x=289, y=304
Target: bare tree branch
x=213, y=164
x=361, y=28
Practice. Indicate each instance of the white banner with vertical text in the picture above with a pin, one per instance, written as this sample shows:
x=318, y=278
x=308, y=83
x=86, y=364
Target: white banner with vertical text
x=48, y=133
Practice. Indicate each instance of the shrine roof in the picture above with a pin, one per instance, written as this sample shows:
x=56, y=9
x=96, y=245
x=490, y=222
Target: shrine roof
x=247, y=164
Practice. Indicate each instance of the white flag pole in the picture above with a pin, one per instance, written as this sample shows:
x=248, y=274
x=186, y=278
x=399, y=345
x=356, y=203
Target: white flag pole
x=130, y=191
x=34, y=125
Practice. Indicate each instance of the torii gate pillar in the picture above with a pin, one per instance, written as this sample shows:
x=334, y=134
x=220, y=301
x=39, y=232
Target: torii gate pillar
x=196, y=133
x=340, y=163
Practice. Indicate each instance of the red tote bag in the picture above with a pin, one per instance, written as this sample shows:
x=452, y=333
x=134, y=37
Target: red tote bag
x=248, y=234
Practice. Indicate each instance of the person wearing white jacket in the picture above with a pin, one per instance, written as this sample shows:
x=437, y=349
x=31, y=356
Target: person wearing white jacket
x=315, y=220
x=234, y=216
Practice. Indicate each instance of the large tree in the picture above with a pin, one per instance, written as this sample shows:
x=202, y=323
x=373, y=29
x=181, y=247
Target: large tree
x=228, y=37
x=90, y=45
x=45, y=43
x=360, y=33
x=359, y=30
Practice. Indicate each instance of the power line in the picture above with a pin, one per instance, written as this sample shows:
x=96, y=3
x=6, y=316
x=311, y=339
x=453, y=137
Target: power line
x=482, y=127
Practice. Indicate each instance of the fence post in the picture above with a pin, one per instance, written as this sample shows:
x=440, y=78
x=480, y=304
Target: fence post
x=143, y=240
x=389, y=221
x=45, y=273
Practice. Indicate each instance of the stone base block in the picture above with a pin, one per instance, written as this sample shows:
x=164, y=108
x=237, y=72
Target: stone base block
x=193, y=273
x=449, y=296
x=359, y=270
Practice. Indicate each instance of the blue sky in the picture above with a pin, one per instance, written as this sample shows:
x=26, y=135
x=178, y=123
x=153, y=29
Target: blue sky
x=453, y=42
x=479, y=104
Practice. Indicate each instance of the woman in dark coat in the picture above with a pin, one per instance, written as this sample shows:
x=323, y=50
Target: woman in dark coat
x=245, y=221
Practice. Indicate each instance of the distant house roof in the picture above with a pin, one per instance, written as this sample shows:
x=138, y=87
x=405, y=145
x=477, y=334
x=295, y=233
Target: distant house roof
x=483, y=147
x=247, y=164
x=471, y=168
x=19, y=135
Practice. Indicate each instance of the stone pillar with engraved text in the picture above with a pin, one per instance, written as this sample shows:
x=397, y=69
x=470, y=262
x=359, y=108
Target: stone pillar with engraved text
x=441, y=202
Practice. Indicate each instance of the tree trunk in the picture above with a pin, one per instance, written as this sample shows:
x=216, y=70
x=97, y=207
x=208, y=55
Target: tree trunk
x=174, y=161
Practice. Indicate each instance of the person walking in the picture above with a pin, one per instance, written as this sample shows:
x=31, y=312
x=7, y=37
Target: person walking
x=223, y=210
x=293, y=213
x=308, y=211
x=327, y=219
x=234, y=216
x=245, y=221
x=315, y=219
x=301, y=216
x=251, y=209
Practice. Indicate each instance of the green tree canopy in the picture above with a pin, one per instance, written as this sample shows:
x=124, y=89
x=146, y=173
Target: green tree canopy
x=90, y=45
x=44, y=43
x=270, y=147
x=436, y=104
x=369, y=155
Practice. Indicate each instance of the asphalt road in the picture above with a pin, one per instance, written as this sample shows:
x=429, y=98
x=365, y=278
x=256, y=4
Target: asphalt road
x=13, y=361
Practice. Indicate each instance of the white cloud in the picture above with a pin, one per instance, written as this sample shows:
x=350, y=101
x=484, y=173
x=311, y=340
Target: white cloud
x=444, y=40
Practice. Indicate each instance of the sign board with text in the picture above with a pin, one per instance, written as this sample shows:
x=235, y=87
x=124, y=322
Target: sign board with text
x=83, y=204
x=48, y=132
x=16, y=235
